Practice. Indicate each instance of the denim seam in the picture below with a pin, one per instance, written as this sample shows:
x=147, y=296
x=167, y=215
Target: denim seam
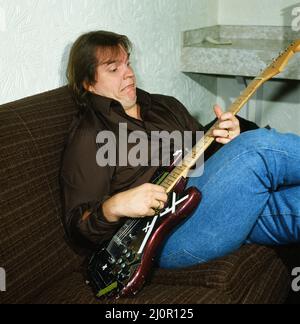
x=194, y=257
x=173, y=256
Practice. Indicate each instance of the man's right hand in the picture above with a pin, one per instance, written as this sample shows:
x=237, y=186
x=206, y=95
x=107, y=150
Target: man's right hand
x=139, y=202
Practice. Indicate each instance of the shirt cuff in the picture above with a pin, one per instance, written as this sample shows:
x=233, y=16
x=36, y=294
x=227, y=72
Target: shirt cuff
x=98, y=210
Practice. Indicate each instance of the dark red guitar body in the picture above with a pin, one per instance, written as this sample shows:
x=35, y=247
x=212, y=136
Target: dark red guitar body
x=120, y=267
x=157, y=239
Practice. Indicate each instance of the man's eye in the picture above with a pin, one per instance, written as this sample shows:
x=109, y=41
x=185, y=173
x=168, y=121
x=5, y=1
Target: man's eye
x=113, y=70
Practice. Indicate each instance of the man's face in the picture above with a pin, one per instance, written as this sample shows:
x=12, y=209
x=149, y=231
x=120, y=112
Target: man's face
x=115, y=79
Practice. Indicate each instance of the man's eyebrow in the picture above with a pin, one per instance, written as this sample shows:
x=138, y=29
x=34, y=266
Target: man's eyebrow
x=110, y=62
x=114, y=61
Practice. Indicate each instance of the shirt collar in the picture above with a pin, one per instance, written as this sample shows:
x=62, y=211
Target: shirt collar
x=104, y=105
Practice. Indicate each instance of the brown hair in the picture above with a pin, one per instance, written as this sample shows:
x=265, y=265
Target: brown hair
x=86, y=54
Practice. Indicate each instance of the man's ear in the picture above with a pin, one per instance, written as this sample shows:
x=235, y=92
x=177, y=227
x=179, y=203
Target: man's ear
x=88, y=87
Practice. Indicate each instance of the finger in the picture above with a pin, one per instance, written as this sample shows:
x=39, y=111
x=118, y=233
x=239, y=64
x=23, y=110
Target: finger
x=218, y=111
x=161, y=197
x=161, y=205
x=151, y=213
x=227, y=116
x=158, y=189
x=227, y=125
x=223, y=140
x=158, y=205
x=220, y=133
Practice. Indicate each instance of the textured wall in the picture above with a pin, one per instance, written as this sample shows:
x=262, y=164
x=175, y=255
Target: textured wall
x=258, y=12
x=36, y=36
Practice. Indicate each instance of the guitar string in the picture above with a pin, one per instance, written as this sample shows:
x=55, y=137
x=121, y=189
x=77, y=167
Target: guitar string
x=128, y=229
x=131, y=226
x=124, y=234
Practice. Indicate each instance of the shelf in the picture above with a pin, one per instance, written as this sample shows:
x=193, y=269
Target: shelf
x=251, y=50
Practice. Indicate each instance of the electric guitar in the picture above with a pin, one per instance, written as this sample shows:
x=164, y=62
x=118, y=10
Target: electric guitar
x=120, y=267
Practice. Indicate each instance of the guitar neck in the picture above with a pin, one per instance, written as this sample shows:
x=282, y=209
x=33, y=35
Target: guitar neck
x=241, y=101
x=191, y=158
x=199, y=149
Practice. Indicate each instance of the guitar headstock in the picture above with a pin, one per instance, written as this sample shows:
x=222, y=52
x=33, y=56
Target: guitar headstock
x=280, y=63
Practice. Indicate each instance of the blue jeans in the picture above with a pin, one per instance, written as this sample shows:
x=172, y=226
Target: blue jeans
x=251, y=194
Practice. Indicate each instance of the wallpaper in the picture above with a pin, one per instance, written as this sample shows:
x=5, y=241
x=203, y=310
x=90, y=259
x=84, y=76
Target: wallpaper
x=36, y=35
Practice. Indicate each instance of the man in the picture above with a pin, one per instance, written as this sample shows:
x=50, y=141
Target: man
x=250, y=187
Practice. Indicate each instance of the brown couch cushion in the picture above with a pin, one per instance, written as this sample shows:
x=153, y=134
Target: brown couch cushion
x=269, y=284
x=32, y=249
x=237, y=268
x=235, y=274
x=253, y=274
x=73, y=290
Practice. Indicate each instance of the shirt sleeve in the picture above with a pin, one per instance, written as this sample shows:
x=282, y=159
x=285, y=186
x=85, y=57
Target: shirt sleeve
x=85, y=186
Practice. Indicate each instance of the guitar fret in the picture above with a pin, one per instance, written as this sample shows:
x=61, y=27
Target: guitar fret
x=188, y=161
x=208, y=140
x=182, y=168
x=177, y=172
x=165, y=186
x=172, y=177
x=168, y=182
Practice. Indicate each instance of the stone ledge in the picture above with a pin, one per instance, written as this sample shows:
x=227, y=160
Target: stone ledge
x=253, y=48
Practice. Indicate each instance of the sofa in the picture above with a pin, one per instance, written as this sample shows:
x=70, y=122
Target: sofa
x=40, y=264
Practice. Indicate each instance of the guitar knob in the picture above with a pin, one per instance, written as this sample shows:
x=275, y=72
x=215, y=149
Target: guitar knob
x=130, y=256
x=125, y=276
x=112, y=261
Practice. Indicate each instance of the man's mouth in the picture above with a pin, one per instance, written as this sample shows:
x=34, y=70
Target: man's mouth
x=131, y=86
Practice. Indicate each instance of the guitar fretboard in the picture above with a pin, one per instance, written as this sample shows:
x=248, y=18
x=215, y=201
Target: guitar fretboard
x=191, y=158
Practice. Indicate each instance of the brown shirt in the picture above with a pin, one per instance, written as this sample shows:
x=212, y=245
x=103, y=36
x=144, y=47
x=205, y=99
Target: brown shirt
x=86, y=185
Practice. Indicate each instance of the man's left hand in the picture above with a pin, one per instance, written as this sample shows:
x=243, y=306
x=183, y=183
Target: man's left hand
x=229, y=127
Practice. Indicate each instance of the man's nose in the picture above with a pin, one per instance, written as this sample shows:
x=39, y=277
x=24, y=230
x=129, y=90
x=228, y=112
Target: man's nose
x=129, y=73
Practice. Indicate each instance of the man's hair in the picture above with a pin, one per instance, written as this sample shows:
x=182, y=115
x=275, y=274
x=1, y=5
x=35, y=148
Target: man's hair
x=87, y=53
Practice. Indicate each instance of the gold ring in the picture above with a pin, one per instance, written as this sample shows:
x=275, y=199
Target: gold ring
x=230, y=134
x=159, y=205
